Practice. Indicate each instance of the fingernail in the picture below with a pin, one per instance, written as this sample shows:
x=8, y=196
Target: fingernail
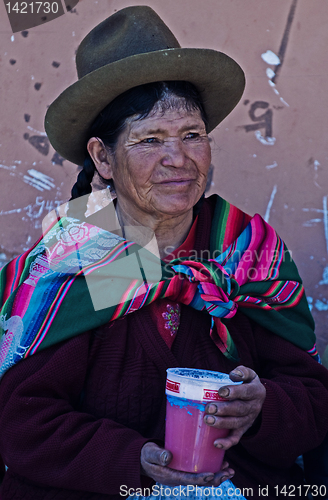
x=164, y=457
x=224, y=478
x=212, y=409
x=207, y=479
x=237, y=373
x=224, y=392
x=210, y=420
x=219, y=445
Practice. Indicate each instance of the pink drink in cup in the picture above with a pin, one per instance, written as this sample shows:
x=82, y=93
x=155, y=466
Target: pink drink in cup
x=189, y=439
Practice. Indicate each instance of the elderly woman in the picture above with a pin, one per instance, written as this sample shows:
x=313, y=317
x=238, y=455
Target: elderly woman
x=83, y=397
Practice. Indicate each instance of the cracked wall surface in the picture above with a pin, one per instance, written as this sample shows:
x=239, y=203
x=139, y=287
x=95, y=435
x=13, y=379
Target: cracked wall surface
x=269, y=156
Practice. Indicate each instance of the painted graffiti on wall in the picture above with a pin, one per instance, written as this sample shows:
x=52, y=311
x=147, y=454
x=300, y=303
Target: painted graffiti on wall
x=261, y=122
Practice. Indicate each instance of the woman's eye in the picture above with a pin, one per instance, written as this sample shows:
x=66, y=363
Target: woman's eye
x=149, y=140
x=192, y=135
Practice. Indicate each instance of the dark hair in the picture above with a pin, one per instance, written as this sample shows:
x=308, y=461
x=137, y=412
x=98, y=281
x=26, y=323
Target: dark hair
x=137, y=101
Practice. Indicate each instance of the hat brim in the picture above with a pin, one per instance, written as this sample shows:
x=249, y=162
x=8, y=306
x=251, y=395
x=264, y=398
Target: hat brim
x=218, y=78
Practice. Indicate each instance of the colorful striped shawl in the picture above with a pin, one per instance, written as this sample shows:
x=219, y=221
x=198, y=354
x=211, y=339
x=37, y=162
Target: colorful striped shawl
x=78, y=277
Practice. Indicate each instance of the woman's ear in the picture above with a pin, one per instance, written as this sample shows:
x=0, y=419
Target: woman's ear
x=101, y=157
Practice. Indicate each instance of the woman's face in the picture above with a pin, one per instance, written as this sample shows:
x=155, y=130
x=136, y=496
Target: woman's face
x=160, y=164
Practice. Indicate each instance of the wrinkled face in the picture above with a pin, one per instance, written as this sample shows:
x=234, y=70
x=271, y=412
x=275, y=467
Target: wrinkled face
x=160, y=163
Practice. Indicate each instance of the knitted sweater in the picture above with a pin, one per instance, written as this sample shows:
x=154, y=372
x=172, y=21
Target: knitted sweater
x=75, y=416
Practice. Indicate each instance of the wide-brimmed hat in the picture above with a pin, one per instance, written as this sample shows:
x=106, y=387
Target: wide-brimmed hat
x=130, y=48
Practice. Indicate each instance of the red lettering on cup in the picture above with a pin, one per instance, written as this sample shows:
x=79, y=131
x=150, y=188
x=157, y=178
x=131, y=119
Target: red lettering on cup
x=172, y=386
x=209, y=395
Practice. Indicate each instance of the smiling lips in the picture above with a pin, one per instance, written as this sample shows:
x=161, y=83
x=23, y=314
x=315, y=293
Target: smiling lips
x=176, y=181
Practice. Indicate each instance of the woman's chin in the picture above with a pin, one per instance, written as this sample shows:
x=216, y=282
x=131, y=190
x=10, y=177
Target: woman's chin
x=176, y=204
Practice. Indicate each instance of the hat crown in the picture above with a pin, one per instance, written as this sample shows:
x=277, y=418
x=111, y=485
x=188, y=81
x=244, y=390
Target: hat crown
x=130, y=31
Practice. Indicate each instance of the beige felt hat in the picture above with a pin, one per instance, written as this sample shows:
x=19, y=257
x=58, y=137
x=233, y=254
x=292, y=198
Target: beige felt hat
x=133, y=47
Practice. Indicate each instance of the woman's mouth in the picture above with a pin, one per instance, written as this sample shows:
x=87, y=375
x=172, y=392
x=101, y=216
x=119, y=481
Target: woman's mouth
x=177, y=182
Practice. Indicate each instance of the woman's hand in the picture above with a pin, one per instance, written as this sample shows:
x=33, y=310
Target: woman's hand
x=154, y=462
x=244, y=404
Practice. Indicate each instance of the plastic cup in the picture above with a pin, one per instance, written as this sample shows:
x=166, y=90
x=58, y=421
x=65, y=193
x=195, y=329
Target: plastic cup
x=187, y=436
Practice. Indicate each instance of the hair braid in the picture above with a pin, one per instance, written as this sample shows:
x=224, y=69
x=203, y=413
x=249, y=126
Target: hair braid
x=84, y=180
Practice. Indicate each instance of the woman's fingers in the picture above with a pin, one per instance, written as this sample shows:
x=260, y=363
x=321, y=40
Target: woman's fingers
x=225, y=473
x=153, y=454
x=229, y=422
x=231, y=440
x=241, y=397
x=154, y=462
x=250, y=388
x=242, y=406
x=242, y=374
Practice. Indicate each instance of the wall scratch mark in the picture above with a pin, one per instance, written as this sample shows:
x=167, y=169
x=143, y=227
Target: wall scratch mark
x=316, y=164
x=325, y=219
x=35, y=178
x=318, y=210
x=39, y=180
x=311, y=222
x=37, y=209
x=324, y=280
x=273, y=165
x=8, y=212
x=320, y=305
x=271, y=75
x=5, y=167
x=36, y=131
x=273, y=194
x=267, y=141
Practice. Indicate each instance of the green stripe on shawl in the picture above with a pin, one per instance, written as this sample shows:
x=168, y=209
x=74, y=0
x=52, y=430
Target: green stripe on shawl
x=219, y=221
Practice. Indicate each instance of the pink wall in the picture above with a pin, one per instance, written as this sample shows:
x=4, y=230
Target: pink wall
x=284, y=179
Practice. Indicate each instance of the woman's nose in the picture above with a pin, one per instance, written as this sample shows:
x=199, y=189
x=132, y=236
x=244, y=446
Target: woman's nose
x=173, y=153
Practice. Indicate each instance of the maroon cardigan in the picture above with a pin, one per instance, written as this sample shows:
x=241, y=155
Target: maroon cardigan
x=75, y=416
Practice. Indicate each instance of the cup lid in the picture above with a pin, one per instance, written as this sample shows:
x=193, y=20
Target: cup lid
x=195, y=384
